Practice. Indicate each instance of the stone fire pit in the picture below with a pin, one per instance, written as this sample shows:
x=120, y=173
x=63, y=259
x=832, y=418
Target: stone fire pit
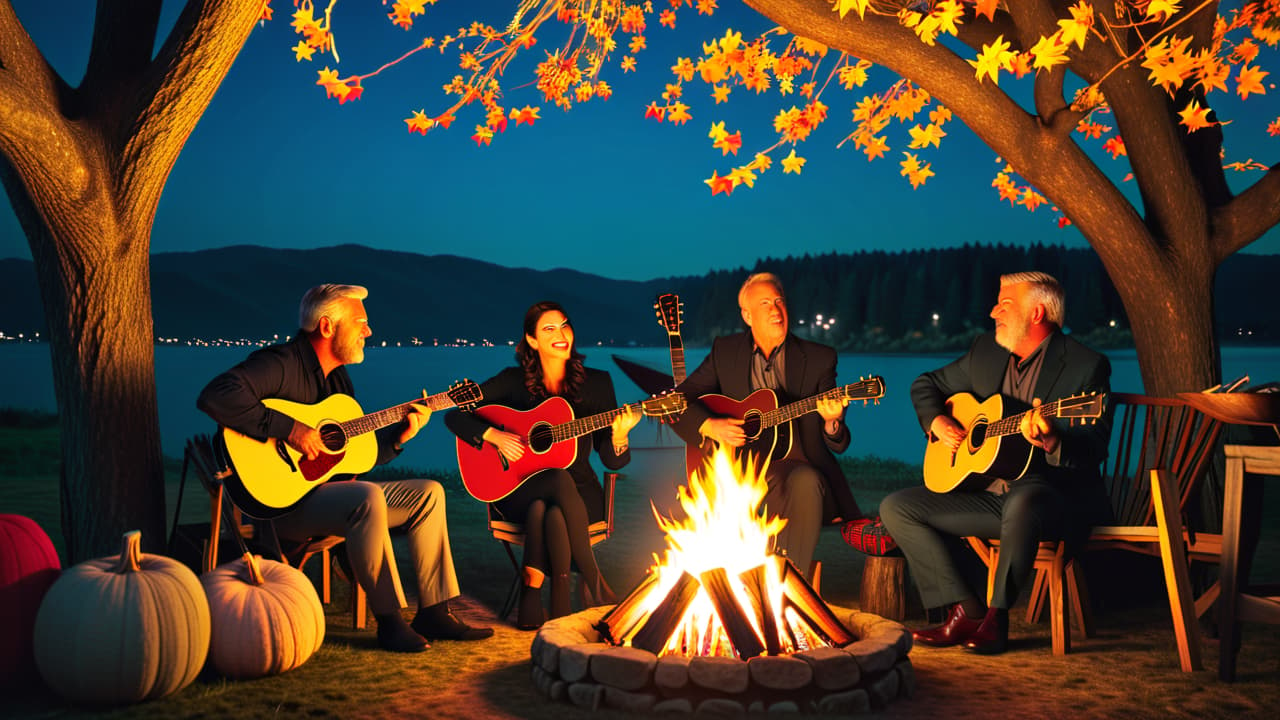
x=570, y=662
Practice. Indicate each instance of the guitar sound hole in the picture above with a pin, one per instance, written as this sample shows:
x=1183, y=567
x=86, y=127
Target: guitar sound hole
x=978, y=435
x=751, y=425
x=333, y=437
x=540, y=439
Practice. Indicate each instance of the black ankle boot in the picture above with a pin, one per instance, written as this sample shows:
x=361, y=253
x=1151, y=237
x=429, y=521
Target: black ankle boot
x=529, y=614
x=396, y=635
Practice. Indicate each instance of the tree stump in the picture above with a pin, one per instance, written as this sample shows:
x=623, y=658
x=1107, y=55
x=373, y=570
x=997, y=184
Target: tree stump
x=882, y=594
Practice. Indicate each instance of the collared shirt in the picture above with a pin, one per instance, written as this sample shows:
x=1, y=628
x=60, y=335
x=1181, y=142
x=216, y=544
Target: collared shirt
x=769, y=372
x=1020, y=378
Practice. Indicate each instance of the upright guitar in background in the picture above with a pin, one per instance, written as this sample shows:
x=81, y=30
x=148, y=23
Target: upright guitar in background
x=993, y=446
x=768, y=427
x=550, y=434
x=669, y=311
x=270, y=477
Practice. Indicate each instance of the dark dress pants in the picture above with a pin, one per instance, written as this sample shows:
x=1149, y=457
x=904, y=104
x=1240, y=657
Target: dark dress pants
x=926, y=526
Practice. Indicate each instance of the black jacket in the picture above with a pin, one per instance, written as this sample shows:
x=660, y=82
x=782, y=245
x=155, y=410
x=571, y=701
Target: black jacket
x=810, y=369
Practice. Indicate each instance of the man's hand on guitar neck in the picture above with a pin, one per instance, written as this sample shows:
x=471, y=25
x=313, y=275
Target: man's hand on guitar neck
x=726, y=431
x=1037, y=430
x=305, y=440
x=417, y=419
x=947, y=431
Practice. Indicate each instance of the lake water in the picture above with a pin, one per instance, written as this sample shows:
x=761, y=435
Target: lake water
x=390, y=376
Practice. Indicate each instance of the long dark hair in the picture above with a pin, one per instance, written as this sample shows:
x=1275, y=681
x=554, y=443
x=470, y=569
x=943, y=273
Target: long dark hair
x=575, y=374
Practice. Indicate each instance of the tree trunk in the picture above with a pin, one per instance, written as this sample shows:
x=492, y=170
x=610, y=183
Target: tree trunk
x=102, y=347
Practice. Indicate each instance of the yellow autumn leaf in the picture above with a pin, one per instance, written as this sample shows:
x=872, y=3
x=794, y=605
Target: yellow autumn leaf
x=844, y=6
x=992, y=59
x=792, y=164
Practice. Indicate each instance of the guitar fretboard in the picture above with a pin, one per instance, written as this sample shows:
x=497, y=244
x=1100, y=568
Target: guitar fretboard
x=791, y=411
x=394, y=414
x=1012, y=424
x=678, y=372
x=587, y=425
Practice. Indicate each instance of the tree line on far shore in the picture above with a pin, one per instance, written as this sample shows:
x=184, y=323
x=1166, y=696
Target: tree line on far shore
x=926, y=300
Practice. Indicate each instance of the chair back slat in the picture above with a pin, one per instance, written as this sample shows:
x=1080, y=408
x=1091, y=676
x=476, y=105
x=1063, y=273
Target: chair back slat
x=1155, y=432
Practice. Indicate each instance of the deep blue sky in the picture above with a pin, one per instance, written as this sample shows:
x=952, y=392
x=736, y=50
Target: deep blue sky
x=599, y=189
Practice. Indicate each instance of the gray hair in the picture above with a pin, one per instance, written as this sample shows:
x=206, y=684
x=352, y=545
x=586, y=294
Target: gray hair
x=764, y=277
x=320, y=300
x=1044, y=290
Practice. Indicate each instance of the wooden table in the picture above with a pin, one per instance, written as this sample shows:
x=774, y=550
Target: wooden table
x=1235, y=603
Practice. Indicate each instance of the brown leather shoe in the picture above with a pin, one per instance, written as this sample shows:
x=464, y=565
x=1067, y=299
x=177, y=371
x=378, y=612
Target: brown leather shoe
x=992, y=636
x=954, y=631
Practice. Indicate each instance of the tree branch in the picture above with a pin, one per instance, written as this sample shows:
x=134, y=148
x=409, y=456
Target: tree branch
x=1048, y=160
x=176, y=89
x=1246, y=218
x=124, y=36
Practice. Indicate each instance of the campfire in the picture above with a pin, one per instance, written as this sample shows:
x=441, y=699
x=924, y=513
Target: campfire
x=721, y=626
x=718, y=590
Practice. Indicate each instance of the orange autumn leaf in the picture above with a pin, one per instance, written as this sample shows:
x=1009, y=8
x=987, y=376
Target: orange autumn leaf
x=678, y=114
x=1195, y=117
x=483, y=135
x=987, y=8
x=719, y=184
x=654, y=111
x=1249, y=81
x=1115, y=146
x=728, y=143
x=419, y=123
x=526, y=114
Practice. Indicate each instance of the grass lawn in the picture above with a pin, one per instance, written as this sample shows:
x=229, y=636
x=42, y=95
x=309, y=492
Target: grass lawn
x=1127, y=670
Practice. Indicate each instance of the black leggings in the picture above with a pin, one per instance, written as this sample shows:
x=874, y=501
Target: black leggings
x=555, y=519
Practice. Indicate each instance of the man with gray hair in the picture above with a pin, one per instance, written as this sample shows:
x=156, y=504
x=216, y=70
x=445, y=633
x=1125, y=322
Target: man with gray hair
x=307, y=369
x=1026, y=360
x=807, y=486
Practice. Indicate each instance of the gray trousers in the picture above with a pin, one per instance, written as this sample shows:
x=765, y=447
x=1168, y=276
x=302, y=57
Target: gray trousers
x=364, y=513
x=926, y=526
x=795, y=492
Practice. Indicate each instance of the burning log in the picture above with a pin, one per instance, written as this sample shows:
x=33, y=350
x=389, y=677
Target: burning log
x=621, y=622
x=742, y=636
x=664, y=619
x=799, y=595
x=755, y=583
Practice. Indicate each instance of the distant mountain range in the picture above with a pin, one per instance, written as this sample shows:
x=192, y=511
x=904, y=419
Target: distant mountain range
x=252, y=292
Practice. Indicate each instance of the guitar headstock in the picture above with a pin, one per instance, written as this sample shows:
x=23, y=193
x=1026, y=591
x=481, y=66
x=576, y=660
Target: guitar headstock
x=1083, y=408
x=866, y=389
x=669, y=310
x=465, y=393
x=665, y=407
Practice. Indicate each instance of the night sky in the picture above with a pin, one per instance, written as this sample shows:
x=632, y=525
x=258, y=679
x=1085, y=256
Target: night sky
x=599, y=189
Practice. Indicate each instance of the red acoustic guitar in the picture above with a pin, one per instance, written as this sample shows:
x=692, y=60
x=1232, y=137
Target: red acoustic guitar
x=550, y=434
x=767, y=426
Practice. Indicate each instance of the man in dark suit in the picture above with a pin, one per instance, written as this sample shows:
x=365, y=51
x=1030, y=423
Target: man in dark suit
x=1028, y=359
x=807, y=487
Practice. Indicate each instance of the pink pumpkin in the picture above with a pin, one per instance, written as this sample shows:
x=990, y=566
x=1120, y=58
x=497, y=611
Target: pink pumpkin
x=28, y=566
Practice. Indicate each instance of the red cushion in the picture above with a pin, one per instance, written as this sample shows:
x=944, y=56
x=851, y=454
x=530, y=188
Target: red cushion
x=868, y=535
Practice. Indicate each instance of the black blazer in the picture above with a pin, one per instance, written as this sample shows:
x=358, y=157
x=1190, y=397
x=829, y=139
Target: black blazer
x=1069, y=369
x=811, y=369
x=596, y=396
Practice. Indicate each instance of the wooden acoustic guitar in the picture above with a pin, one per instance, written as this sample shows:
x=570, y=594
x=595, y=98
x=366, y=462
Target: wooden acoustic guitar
x=550, y=433
x=993, y=446
x=766, y=426
x=270, y=477
x=669, y=310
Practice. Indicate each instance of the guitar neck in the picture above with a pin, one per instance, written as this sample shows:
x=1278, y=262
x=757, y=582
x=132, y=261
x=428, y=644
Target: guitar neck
x=383, y=418
x=585, y=426
x=791, y=411
x=1012, y=424
x=678, y=372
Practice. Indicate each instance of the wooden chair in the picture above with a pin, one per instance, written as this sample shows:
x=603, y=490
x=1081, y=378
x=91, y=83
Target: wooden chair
x=511, y=534
x=203, y=457
x=1160, y=450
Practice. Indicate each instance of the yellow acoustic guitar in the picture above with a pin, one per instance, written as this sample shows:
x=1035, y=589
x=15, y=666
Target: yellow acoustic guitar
x=993, y=446
x=270, y=477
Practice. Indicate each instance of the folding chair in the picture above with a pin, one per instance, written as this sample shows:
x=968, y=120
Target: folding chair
x=512, y=533
x=211, y=466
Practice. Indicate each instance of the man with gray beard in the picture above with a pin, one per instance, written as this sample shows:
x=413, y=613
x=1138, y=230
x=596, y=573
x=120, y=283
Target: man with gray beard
x=1026, y=360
